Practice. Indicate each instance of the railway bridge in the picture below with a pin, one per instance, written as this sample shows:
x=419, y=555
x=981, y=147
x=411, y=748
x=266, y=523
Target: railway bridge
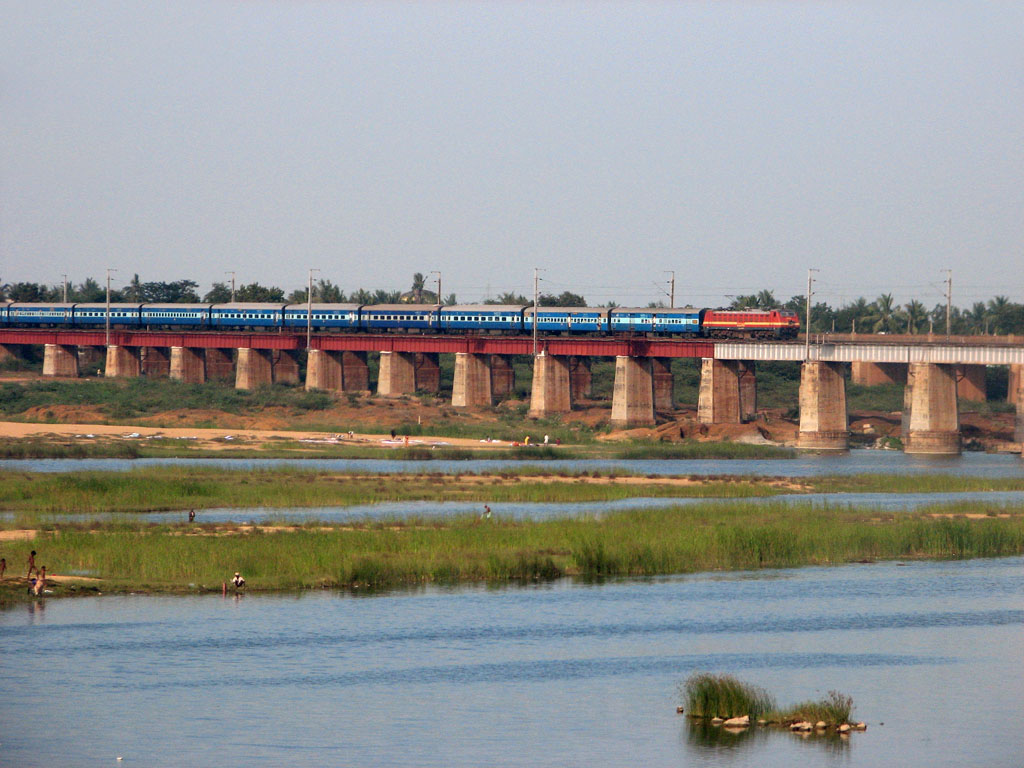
x=936, y=371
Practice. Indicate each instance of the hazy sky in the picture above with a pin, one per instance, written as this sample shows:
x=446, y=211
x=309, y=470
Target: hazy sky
x=738, y=144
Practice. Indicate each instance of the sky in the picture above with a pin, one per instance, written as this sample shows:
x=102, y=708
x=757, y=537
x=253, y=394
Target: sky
x=607, y=144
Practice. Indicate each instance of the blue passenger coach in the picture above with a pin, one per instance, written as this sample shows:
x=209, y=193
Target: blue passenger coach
x=20, y=313
x=684, y=320
x=400, y=317
x=95, y=315
x=246, y=315
x=344, y=317
x=567, y=319
x=191, y=315
x=482, y=317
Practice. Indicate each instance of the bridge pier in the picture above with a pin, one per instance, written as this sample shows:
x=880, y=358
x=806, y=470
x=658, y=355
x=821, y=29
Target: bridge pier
x=823, y=418
x=60, y=360
x=123, y=362
x=503, y=377
x=1013, y=383
x=155, y=362
x=397, y=374
x=254, y=369
x=91, y=359
x=580, y=378
x=718, y=399
x=428, y=372
x=970, y=383
x=550, y=392
x=8, y=352
x=633, y=393
x=355, y=373
x=874, y=374
x=187, y=365
x=663, y=384
x=472, y=383
x=933, y=421
x=285, y=367
x=1017, y=393
x=220, y=364
x=323, y=370
x=748, y=390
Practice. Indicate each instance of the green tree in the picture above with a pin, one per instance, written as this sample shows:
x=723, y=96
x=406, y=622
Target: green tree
x=220, y=293
x=254, y=292
x=564, y=299
x=916, y=315
x=885, y=315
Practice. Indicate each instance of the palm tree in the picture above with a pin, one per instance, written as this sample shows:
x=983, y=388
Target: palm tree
x=766, y=300
x=998, y=308
x=884, y=314
x=916, y=316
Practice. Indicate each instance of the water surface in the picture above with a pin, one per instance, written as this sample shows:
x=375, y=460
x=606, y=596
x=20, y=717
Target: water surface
x=550, y=675
x=805, y=465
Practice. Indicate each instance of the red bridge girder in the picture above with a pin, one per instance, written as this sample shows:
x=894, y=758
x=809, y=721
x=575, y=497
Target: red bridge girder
x=409, y=343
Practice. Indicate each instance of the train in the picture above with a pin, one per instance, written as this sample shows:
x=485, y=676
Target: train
x=510, y=319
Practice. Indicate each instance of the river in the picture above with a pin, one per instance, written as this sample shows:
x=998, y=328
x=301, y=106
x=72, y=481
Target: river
x=804, y=465
x=557, y=674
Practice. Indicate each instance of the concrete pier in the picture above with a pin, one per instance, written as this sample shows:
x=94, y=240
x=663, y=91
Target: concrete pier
x=503, y=377
x=155, y=362
x=633, y=394
x=970, y=383
x=428, y=372
x=1017, y=395
x=397, y=374
x=187, y=365
x=748, y=390
x=718, y=399
x=662, y=383
x=472, y=383
x=285, y=367
x=220, y=364
x=123, y=362
x=323, y=370
x=355, y=373
x=873, y=374
x=580, y=378
x=551, y=392
x=8, y=352
x=255, y=368
x=1013, y=382
x=60, y=360
x=933, y=424
x=823, y=418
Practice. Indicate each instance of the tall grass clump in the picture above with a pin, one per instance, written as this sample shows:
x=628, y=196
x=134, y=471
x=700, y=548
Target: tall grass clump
x=835, y=709
x=706, y=695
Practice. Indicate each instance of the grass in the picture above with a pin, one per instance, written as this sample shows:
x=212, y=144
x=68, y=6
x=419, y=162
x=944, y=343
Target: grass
x=706, y=696
x=147, y=489
x=724, y=696
x=720, y=536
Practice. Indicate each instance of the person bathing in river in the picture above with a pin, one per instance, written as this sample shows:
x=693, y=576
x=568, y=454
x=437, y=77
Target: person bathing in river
x=37, y=588
x=238, y=581
x=191, y=515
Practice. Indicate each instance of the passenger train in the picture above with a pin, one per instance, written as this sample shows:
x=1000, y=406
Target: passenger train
x=423, y=318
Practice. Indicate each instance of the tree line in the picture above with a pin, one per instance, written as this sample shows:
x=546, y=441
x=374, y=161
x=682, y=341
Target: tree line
x=998, y=315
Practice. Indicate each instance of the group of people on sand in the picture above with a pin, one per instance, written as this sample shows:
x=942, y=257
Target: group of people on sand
x=35, y=583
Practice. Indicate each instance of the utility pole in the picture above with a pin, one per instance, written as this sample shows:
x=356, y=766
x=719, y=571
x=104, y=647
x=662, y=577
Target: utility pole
x=671, y=288
x=807, y=329
x=536, y=297
x=109, y=270
x=309, y=310
x=949, y=300
x=435, y=272
x=64, y=282
x=232, y=285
